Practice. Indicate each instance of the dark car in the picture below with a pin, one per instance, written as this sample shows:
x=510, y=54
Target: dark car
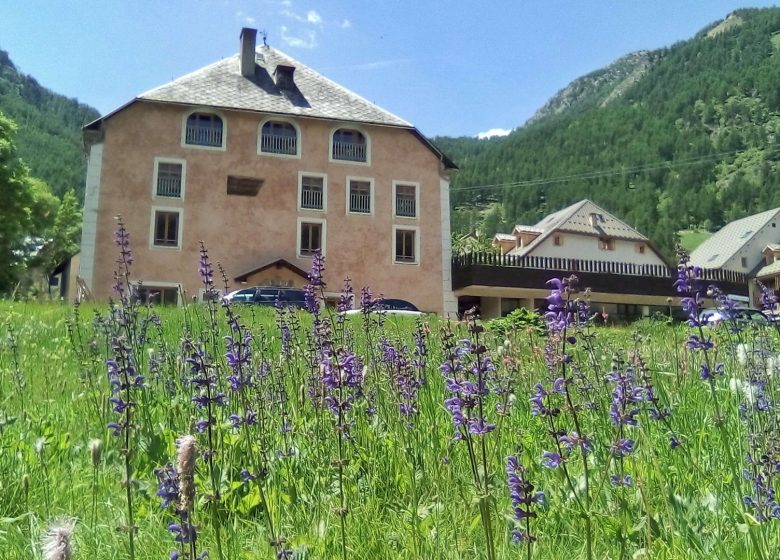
x=269, y=295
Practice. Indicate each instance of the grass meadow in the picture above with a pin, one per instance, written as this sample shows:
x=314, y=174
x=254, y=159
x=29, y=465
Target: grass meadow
x=316, y=436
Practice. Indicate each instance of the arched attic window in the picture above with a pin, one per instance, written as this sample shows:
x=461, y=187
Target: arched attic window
x=278, y=137
x=349, y=145
x=204, y=129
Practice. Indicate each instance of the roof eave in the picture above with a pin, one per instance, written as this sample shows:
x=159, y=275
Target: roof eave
x=448, y=164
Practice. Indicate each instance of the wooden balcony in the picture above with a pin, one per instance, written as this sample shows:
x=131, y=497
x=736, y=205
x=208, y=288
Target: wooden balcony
x=531, y=273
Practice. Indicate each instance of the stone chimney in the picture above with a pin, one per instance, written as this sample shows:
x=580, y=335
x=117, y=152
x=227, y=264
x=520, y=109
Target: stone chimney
x=248, y=38
x=283, y=75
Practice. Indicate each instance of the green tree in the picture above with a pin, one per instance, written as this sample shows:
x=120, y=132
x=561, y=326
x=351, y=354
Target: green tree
x=63, y=238
x=27, y=211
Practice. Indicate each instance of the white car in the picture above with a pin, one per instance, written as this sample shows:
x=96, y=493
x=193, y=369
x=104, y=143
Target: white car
x=391, y=307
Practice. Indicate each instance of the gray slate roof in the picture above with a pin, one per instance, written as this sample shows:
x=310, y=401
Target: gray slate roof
x=769, y=270
x=576, y=219
x=221, y=85
x=718, y=249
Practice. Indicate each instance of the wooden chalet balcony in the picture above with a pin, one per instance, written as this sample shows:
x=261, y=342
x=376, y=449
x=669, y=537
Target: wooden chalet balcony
x=511, y=271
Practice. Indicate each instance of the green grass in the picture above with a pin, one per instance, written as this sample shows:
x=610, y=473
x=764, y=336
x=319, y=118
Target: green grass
x=690, y=239
x=409, y=492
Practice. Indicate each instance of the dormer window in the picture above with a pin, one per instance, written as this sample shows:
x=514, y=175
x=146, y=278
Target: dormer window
x=204, y=129
x=595, y=219
x=349, y=145
x=606, y=244
x=278, y=137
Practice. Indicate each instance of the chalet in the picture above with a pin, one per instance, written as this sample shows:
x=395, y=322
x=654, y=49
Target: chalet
x=267, y=162
x=748, y=246
x=626, y=275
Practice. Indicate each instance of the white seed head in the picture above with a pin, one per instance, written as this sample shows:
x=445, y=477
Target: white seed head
x=185, y=467
x=95, y=451
x=57, y=543
x=40, y=445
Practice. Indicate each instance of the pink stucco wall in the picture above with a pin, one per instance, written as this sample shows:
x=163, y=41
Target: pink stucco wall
x=244, y=232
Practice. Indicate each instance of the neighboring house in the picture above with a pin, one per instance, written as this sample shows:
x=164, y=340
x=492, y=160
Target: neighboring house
x=581, y=231
x=65, y=278
x=739, y=244
x=747, y=246
x=769, y=273
x=267, y=161
x=626, y=275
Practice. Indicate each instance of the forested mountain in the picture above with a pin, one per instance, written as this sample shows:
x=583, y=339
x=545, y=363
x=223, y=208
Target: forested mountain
x=681, y=136
x=48, y=137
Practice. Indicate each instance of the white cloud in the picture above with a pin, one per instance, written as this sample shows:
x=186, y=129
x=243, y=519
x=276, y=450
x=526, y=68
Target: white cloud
x=308, y=41
x=245, y=19
x=493, y=132
x=313, y=17
x=346, y=24
x=292, y=15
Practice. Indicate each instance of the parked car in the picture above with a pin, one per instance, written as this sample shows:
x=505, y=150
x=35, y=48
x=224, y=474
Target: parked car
x=391, y=306
x=268, y=295
x=244, y=295
x=741, y=316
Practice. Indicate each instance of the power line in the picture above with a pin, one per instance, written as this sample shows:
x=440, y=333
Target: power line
x=608, y=173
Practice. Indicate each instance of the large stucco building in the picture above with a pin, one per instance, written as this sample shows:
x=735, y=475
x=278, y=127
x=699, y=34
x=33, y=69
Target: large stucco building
x=266, y=161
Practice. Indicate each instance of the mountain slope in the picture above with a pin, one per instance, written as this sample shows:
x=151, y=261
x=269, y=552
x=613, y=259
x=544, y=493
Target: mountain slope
x=598, y=88
x=681, y=136
x=49, y=128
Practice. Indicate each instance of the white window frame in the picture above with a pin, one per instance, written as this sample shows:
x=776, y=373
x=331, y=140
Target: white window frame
x=152, y=284
x=324, y=177
x=157, y=162
x=349, y=126
x=606, y=243
x=204, y=110
x=416, y=229
x=153, y=224
x=416, y=186
x=298, y=139
x=323, y=237
x=372, y=199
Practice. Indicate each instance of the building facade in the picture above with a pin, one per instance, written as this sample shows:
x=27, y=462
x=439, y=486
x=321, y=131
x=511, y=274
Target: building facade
x=626, y=276
x=746, y=246
x=266, y=162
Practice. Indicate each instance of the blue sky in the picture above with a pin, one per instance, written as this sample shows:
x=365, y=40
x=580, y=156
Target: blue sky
x=453, y=68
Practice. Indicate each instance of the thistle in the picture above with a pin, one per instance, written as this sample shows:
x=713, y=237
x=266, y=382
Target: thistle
x=95, y=447
x=176, y=487
x=185, y=468
x=57, y=543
